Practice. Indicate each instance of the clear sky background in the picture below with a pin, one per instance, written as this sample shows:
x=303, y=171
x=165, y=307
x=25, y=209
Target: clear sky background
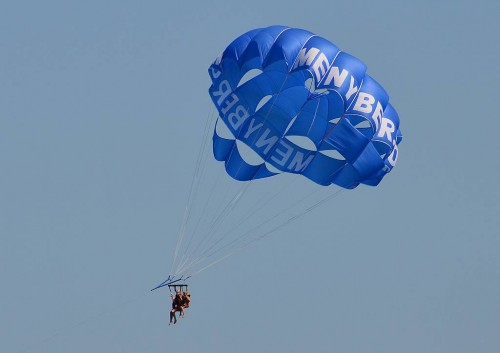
x=102, y=108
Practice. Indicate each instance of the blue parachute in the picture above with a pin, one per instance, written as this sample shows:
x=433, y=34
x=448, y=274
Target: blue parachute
x=291, y=101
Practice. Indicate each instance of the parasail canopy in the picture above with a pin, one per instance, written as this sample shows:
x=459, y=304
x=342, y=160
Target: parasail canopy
x=290, y=101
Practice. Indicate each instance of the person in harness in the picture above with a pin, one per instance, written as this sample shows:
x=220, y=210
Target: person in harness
x=186, y=299
x=177, y=302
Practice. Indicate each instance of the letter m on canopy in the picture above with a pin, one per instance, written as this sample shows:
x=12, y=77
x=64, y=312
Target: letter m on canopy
x=305, y=57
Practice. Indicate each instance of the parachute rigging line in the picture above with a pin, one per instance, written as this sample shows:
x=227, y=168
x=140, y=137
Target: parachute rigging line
x=194, y=184
x=277, y=227
x=230, y=247
x=259, y=205
x=72, y=327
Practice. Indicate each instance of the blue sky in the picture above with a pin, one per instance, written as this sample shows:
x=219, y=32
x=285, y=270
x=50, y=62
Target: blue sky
x=102, y=109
